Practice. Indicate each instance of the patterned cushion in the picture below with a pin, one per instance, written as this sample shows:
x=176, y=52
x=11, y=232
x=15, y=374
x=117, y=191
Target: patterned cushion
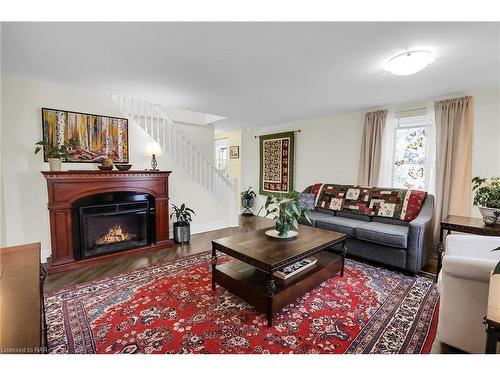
x=307, y=201
x=399, y=204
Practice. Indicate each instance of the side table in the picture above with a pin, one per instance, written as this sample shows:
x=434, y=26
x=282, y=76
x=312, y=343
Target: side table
x=463, y=224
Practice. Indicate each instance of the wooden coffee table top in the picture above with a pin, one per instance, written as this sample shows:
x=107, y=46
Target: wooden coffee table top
x=270, y=254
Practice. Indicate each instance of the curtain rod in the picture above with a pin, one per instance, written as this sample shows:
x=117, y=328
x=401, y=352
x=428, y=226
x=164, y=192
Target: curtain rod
x=295, y=131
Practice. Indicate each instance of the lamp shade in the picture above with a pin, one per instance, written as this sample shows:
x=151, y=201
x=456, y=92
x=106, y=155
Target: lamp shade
x=153, y=148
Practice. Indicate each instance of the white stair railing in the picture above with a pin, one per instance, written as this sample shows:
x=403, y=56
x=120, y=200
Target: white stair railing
x=162, y=129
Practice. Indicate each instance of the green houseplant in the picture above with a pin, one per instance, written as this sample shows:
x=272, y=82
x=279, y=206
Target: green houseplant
x=286, y=211
x=182, y=226
x=487, y=198
x=56, y=153
x=247, y=201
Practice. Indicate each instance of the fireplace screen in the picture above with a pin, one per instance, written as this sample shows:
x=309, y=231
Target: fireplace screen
x=108, y=228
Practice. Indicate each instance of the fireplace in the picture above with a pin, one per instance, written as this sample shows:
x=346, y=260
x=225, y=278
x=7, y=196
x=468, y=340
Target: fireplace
x=68, y=191
x=112, y=222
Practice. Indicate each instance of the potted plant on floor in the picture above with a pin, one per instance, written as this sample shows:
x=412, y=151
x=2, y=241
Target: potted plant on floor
x=487, y=198
x=286, y=211
x=55, y=154
x=182, y=227
x=247, y=201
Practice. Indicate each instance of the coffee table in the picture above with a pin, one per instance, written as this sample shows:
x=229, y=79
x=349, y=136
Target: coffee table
x=250, y=275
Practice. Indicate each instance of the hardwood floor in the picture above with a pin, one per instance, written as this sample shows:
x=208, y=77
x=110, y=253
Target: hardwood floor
x=199, y=243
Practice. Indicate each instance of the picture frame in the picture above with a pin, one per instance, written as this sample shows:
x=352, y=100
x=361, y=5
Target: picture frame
x=234, y=152
x=99, y=136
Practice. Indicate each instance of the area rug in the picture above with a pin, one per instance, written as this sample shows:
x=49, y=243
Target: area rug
x=170, y=308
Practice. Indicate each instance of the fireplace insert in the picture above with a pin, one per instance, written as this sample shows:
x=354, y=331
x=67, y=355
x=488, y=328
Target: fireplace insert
x=111, y=222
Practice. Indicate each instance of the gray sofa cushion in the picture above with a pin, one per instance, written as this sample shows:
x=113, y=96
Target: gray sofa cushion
x=314, y=216
x=325, y=211
x=350, y=215
x=382, y=233
x=338, y=224
x=389, y=220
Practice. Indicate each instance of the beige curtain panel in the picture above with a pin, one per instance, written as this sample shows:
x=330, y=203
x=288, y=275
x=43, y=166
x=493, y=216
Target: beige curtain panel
x=371, y=148
x=453, y=156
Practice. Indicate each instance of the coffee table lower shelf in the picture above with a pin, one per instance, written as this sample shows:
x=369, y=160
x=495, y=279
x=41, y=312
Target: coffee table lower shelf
x=252, y=284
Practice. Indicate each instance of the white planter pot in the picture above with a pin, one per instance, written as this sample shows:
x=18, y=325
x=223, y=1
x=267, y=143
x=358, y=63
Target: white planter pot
x=55, y=164
x=490, y=212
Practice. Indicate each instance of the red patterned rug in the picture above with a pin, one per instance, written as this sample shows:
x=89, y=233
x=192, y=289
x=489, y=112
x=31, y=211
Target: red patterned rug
x=170, y=308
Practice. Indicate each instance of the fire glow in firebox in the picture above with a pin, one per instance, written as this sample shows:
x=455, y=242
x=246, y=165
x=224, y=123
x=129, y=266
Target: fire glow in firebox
x=115, y=234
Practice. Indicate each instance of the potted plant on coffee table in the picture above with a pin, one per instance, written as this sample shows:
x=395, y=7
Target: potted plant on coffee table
x=55, y=154
x=247, y=201
x=487, y=198
x=286, y=211
x=182, y=227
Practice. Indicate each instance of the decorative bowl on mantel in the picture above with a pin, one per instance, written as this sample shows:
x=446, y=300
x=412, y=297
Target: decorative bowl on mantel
x=123, y=167
x=105, y=168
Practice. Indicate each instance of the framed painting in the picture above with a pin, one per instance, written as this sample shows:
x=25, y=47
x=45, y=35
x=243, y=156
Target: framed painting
x=98, y=136
x=276, y=163
x=234, y=152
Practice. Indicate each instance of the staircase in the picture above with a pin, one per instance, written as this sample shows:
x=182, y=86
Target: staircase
x=152, y=119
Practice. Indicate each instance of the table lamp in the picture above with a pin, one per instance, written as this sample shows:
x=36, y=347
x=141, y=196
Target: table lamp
x=153, y=149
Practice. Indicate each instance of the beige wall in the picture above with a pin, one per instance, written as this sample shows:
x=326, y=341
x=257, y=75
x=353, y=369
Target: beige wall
x=326, y=150
x=23, y=205
x=234, y=165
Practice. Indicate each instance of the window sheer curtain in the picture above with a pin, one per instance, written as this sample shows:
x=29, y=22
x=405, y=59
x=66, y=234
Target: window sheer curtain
x=371, y=148
x=388, y=145
x=454, y=124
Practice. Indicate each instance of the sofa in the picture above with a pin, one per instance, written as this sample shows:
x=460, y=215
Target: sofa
x=463, y=284
x=386, y=225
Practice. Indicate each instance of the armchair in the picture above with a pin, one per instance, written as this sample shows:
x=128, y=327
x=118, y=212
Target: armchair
x=463, y=284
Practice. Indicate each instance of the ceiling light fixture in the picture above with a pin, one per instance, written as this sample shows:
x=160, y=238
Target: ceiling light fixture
x=409, y=62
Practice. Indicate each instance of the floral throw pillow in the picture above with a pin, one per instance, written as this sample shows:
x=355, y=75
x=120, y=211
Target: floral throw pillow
x=307, y=201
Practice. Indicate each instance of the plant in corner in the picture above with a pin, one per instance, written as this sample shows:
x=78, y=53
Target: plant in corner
x=286, y=211
x=247, y=201
x=56, y=153
x=487, y=198
x=182, y=227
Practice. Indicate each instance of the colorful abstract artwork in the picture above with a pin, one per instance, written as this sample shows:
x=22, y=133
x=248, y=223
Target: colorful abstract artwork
x=276, y=163
x=98, y=136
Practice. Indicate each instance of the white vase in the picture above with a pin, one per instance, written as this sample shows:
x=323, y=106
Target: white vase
x=55, y=164
x=490, y=212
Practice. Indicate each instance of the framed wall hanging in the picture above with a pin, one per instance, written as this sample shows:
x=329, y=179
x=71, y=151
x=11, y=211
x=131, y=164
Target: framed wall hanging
x=234, y=152
x=98, y=136
x=276, y=163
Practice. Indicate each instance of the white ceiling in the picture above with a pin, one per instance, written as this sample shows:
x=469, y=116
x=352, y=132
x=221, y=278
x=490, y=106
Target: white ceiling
x=256, y=74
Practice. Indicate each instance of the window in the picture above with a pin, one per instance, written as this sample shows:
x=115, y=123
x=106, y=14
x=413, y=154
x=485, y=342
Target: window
x=221, y=155
x=410, y=153
x=408, y=150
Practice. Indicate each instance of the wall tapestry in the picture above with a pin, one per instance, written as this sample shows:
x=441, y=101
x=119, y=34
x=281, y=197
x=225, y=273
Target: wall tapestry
x=98, y=136
x=276, y=163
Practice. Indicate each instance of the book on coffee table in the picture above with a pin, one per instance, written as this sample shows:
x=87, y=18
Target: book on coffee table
x=295, y=268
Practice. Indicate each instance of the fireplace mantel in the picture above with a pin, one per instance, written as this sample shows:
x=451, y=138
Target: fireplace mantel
x=65, y=187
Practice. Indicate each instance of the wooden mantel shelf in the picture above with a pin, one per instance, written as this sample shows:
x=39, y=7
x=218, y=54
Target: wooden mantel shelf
x=65, y=187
